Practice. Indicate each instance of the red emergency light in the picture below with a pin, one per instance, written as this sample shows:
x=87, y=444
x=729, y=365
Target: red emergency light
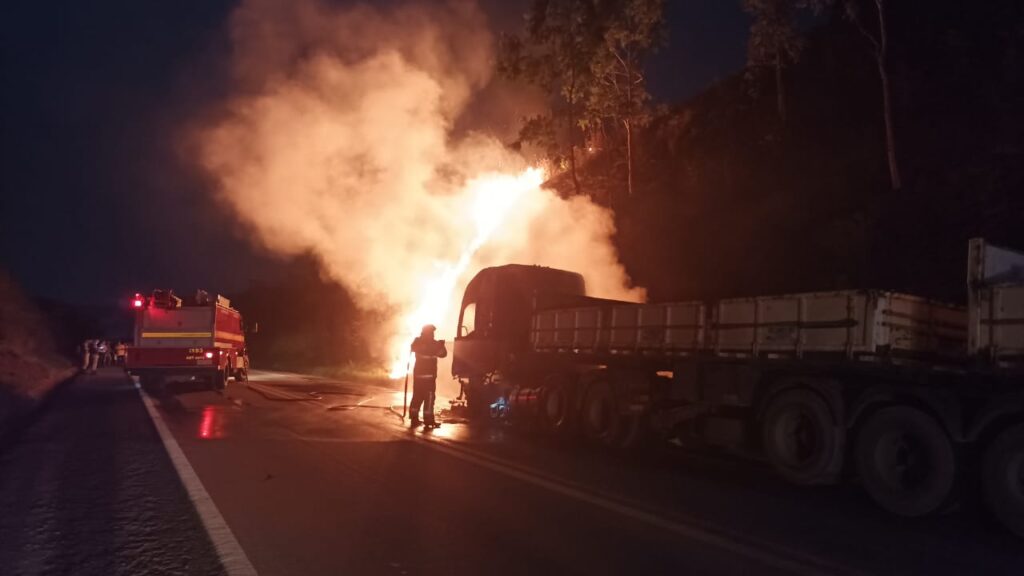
x=138, y=302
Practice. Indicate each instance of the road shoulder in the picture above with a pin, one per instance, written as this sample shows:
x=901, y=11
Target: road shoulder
x=89, y=489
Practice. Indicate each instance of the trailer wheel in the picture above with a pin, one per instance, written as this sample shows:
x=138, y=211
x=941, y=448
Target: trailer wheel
x=802, y=439
x=906, y=461
x=1003, y=478
x=241, y=375
x=601, y=420
x=556, y=407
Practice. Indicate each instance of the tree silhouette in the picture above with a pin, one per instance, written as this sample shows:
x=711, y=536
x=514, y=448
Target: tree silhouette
x=555, y=55
x=631, y=31
x=879, y=41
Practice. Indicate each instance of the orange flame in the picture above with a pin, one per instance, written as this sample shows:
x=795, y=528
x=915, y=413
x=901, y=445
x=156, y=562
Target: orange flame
x=493, y=196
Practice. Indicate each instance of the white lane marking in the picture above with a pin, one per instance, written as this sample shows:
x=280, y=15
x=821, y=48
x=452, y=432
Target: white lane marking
x=790, y=561
x=232, y=557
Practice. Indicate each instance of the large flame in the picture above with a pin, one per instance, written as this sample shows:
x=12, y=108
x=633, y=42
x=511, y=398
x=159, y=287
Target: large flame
x=338, y=139
x=493, y=197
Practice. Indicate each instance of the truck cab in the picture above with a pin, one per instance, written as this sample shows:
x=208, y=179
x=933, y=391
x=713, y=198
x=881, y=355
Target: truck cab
x=495, y=316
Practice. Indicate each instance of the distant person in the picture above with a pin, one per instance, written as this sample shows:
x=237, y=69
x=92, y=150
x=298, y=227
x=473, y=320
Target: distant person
x=85, y=349
x=424, y=376
x=120, y=351
x=94, y=356
x=103, y=350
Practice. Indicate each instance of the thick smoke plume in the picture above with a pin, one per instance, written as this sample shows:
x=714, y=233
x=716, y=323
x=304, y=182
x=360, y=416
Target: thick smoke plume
x=338, y=141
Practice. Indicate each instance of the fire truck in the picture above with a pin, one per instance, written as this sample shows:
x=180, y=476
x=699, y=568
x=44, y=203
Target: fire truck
x=173, y=339
x=918, y=399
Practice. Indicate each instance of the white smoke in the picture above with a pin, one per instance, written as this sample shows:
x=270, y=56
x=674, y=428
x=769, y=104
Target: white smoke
x=338, y=141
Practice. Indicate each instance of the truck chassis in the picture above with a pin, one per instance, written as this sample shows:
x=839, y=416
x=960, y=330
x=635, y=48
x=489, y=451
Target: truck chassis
x=921, y=400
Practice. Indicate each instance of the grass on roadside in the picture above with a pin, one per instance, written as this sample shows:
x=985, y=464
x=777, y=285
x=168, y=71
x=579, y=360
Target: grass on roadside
x=30, y=366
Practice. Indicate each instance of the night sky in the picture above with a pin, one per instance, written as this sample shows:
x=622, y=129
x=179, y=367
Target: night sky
x=97, y=199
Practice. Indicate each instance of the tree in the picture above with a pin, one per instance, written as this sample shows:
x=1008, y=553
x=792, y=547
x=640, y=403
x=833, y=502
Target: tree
x=879, y=41
x=631, y=31
x=561, y=38
x=773, y=41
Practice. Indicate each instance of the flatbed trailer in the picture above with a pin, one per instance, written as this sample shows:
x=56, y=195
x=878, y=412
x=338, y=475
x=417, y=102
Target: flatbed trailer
x=913, y=396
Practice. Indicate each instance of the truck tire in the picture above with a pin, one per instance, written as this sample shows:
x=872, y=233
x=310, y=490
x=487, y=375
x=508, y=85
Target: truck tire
x=802, y=439
x=555, y=409
x=601, y=419
x=220, y=378
x=1003, y=478
x=906, y=462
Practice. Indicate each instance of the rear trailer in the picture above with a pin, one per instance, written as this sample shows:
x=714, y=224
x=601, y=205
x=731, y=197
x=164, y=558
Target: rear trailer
x=996, y=305
x=847, y=324
x=913, y=396
x=202, y=338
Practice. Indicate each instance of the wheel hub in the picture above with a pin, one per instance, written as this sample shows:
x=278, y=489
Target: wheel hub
x=903, y=462
x=800, y=438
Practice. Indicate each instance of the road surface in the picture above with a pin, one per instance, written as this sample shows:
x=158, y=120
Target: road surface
x=299, y=475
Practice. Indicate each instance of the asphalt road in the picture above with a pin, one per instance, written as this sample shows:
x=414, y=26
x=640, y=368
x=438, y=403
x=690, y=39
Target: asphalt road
x=308, y=484
x=88, y=489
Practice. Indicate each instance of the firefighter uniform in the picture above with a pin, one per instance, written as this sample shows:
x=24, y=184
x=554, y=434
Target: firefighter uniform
x=424, y=375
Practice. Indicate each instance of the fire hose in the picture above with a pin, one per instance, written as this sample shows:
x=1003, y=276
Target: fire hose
x=391, y=409
x=405, y=394
x=388, y=409
x=272, y=393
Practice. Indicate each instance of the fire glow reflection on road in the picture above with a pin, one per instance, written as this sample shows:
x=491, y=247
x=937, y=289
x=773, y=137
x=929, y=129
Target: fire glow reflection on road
x=210, y=425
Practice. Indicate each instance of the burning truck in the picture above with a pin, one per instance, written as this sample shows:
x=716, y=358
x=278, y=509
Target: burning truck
x=202, y=338
x=917, y=398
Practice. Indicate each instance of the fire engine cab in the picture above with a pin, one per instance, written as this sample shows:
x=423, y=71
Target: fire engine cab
x=201, y=338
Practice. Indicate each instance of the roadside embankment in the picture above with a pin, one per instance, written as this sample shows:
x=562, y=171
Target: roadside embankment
x=30, y=365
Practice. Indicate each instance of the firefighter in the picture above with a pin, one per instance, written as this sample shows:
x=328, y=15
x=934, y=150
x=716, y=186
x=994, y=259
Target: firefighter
x=120, y=350
x=103, y=349
x=424, y=376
